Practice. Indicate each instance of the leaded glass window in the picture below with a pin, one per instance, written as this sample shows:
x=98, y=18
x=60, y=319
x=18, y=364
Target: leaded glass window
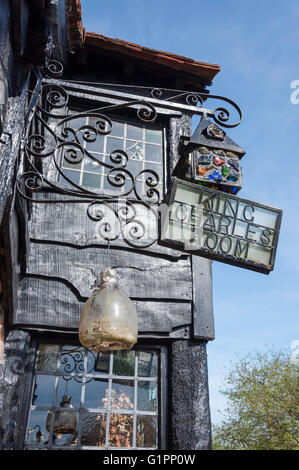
x=128, y=160
x=85, y=401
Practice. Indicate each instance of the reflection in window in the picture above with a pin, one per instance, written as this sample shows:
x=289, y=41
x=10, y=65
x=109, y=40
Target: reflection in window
x=84, y=401
x=146, y=431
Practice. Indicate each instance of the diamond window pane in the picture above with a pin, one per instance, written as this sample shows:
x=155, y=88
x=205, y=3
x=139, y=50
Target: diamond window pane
x=135, y=150
x=146, y=435
x=93, y=429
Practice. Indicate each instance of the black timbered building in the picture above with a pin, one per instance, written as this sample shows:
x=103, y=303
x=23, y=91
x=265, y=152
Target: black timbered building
x=90, y=132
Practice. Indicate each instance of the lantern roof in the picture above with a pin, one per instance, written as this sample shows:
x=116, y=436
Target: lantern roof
x=209, y=134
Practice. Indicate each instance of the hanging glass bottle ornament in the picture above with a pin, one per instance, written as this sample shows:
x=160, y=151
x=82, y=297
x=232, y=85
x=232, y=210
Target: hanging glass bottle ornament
x=65, y=422
x=108, y=318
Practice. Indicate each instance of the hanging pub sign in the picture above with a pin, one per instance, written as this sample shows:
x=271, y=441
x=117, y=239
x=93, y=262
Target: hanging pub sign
x=220, y=226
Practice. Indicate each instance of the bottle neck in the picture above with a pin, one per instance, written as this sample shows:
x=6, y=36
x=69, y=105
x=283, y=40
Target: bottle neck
x=110, y=283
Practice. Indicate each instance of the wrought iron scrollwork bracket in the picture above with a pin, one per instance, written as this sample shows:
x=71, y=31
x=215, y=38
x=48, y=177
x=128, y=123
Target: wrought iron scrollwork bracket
x=50, y=134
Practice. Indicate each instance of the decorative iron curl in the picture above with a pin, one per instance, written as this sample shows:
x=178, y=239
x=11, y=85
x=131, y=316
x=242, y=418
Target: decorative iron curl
x=193, y=99
x=127, y=226
x=31, y=181
x=73, y=362
x=57, y=96
x=134, y=230
x=157, y=93
x=151, y=182
x=119, y=157
x=118, y=177
x=97, y=211
x=220, y=115
x=73, y=152
x=38, y=146
x=146, y=113
x=102, y=125
x=127, y=211
x=53, y=69
x=96, y=214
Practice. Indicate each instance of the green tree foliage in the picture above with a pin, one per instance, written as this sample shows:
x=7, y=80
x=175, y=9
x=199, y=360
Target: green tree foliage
x=263, y=408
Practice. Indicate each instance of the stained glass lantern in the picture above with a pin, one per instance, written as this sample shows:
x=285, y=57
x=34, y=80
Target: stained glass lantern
x=211, y=158
x=108, y=318
x=65, y=422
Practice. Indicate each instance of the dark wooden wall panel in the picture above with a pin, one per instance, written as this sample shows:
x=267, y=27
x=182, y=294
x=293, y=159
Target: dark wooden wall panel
x=67, y=255
x=47, y=303
x=190, y=421
x=141, y=275
x=68, y=223
x=203, y=318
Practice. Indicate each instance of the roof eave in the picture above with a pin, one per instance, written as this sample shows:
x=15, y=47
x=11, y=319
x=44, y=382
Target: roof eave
x=203, y=70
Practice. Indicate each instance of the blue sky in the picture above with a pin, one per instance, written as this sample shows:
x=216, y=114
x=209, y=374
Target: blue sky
x=256, y=44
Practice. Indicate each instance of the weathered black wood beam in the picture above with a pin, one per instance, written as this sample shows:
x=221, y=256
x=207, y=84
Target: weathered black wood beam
x=18, y=361
x=203, y=317
x=48, y=303
x=190, y=422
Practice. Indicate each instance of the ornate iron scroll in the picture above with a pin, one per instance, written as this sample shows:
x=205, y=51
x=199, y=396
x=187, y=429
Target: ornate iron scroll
x=53, y=136
x=52, y=140
x=192, y=99
x=220, y=115
x=135, y=222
